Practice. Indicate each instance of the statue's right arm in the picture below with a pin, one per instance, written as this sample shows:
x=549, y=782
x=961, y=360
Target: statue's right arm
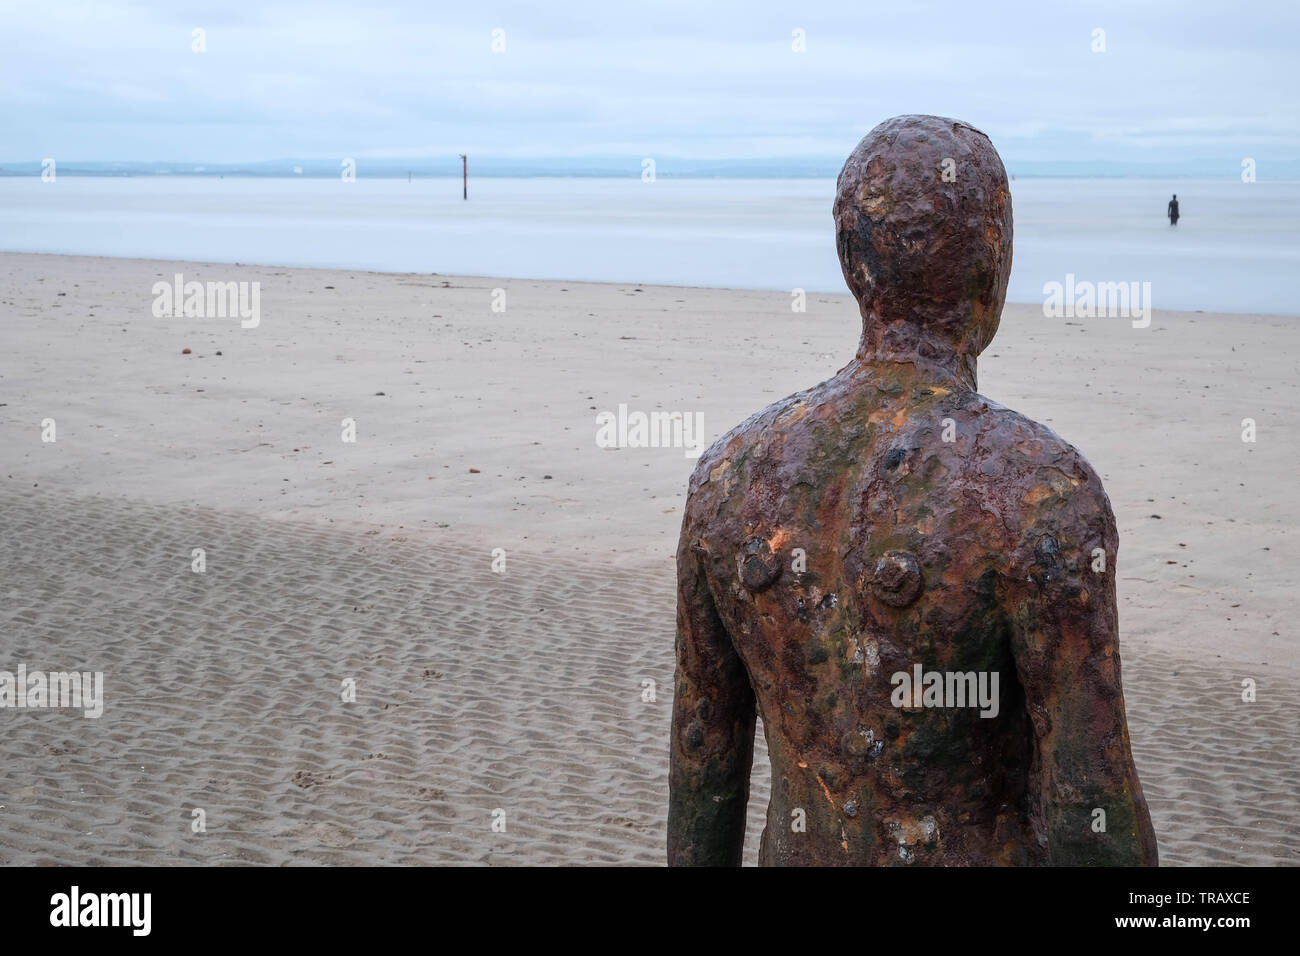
x=712, y=730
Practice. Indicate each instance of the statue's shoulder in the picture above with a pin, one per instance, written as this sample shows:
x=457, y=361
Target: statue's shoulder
x=1042, y=486
x=735, y=454
x=1026, y=448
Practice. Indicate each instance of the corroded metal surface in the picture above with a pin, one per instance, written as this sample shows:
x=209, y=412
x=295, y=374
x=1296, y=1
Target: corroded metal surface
x=892, y=521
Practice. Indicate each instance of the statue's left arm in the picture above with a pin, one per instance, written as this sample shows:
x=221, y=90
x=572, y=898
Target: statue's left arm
x=712, y=746
x=1085, y=799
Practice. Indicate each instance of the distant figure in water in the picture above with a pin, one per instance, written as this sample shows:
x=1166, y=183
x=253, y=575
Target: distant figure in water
x=1173, y=210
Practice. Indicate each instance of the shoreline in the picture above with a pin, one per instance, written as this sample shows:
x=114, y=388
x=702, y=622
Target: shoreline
x=211, y=263
x=1231, y=252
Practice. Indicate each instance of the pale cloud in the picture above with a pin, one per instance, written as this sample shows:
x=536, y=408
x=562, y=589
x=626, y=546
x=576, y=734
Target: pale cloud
x=118, y=80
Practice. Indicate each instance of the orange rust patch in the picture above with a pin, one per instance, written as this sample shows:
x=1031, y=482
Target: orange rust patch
x=874, y=204
x=793, y=414
x=954, y=576
x=1037, y=493
x=829, y=798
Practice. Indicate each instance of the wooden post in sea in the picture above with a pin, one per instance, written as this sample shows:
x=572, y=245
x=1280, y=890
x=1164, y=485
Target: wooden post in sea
x=464, y=171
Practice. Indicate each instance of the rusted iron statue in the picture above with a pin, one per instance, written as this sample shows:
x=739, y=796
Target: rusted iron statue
x=912, y=585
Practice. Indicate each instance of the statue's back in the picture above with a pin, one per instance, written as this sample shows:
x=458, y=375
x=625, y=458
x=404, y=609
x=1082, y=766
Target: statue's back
x=913, y=586
x=860, y=532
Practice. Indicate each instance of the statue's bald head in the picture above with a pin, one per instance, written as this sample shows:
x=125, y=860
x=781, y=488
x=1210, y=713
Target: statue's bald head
x=923, y=225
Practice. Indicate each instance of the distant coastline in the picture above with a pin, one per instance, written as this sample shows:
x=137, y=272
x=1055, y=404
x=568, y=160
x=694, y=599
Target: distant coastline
x=622, y=167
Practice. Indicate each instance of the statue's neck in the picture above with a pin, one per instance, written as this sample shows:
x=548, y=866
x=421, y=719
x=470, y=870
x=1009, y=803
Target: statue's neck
x=931, y=365
x=936, y=345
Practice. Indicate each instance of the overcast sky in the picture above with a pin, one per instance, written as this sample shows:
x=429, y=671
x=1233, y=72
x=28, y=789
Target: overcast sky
x=112, y=80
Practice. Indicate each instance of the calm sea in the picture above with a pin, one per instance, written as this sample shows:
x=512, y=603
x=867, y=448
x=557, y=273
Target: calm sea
x=1236, y=248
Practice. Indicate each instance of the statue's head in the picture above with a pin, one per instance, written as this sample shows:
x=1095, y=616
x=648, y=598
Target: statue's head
x=923, y=226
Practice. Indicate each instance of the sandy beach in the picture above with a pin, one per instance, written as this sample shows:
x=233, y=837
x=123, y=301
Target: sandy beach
x=538, y=693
